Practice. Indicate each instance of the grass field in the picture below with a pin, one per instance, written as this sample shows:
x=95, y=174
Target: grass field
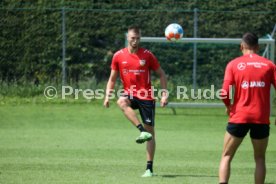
x=85, y=143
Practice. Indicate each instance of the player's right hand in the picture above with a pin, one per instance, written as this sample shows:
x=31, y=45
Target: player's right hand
x=228, y=110
x=106, y=103
x=163, y=101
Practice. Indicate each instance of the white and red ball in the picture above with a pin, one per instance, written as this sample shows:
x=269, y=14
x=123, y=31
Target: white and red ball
x=174, y=32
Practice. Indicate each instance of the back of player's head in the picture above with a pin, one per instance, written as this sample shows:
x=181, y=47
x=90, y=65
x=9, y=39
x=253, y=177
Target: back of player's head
x=250, y=39
x=135, y=29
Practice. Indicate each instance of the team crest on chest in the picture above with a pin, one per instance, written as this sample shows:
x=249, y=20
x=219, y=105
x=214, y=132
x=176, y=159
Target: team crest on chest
x=142, y=62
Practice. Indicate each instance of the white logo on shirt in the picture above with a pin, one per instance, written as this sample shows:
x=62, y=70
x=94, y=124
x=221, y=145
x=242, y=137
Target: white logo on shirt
x=257, y=84
x=136, y=72
x=244, y=85
x=253, y=84
x=148, y=120
x=142, y=62
x=124, y=62
x=257, y=64
x=125, y=71
x=241, y=66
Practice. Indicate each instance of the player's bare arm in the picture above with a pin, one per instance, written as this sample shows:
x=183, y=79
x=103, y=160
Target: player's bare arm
x=163, y=83
x=110, y=86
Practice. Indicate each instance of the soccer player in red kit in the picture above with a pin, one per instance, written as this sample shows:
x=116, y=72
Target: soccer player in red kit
x=134, y=64
x=251, y=76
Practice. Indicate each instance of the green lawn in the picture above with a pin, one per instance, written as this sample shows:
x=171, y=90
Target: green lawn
x=85, y=143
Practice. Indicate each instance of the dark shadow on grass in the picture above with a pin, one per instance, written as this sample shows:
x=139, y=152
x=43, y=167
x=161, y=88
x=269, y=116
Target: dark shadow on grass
x=190, y=114
x=193, y=176
x=186, y=175
x=191, y=111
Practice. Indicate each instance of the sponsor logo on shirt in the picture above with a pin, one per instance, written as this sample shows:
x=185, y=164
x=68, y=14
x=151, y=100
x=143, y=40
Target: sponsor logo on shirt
x=256, y=64
x=241, y=66
x=244, y=85
x=125, y=71
x=253, y=84
x=142, y=62
x=257, y=84
x=136, y=72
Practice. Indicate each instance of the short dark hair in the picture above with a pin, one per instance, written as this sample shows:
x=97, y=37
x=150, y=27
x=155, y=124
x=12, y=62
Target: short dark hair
x=135, y=28
x=251, y=39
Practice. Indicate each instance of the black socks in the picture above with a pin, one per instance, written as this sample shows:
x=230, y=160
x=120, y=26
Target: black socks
x=141, y=128
x=149, y=165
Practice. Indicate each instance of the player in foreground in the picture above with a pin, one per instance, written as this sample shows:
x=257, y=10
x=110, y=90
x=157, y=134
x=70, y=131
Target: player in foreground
x=134, y=65
x=252, y=76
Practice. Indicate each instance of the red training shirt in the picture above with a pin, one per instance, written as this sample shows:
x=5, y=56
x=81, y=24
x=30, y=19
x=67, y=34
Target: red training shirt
x=251, y=76
x=135, y=70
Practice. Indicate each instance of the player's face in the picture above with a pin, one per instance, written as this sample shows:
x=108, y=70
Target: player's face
x=133, y=39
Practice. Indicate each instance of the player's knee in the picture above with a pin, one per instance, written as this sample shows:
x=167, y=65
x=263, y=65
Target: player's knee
x=259, y=157
x=227, y=155
x=121, y=103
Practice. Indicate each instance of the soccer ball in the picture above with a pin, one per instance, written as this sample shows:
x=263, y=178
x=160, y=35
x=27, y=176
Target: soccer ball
x=173, y=32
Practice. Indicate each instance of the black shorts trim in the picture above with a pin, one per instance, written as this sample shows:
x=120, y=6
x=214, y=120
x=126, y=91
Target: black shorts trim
x=146, y=109
x=257, y=131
